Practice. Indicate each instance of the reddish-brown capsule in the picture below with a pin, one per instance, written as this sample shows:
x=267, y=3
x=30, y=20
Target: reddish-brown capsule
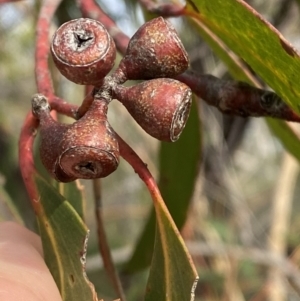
x=83, y=51
x=86, y=149
x=155, y=51
x=51, y=133
x=160, y=106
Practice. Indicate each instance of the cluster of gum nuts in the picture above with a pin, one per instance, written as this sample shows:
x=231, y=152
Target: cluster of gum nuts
x=85, y=53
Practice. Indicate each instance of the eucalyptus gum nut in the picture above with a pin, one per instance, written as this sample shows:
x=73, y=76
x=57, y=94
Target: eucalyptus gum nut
x=86, y=149
x=160, y=106
x=154, y=51
x=83, y=51
x=90, y=148
x=51, y=134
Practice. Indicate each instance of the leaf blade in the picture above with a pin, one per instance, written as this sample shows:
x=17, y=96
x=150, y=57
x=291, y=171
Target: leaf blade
x=173, y=276
x=64, y=237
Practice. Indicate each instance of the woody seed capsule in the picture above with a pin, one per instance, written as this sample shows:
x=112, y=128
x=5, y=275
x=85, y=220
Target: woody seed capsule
x=83, y=51
x=160, y=106
x=154, y=51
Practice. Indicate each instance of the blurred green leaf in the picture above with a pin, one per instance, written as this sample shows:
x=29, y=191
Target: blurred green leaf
x=179, y=163
x=64, y=237
x=173, y=276
x=246, y=33
x=8, y=210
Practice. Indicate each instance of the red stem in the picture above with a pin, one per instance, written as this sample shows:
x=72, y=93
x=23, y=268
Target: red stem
x=63, y=107
x=42, y=73
x=44, y=86
x=26, y=162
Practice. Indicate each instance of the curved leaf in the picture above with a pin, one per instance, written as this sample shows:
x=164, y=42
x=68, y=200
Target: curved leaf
x=64, y=237
x=173, y=276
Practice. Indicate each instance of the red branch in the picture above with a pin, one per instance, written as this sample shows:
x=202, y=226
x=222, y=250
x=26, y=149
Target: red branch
x=42, y=73
x=63, y=107
x=44, y=85
x=237, y=98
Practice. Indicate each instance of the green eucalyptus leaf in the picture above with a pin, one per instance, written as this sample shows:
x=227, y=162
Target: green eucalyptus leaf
x=8, y=210
x=64, y=237
x=173, y=276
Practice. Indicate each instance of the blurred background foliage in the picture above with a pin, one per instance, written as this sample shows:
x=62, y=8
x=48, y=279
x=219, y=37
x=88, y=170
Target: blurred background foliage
x=234, y=220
